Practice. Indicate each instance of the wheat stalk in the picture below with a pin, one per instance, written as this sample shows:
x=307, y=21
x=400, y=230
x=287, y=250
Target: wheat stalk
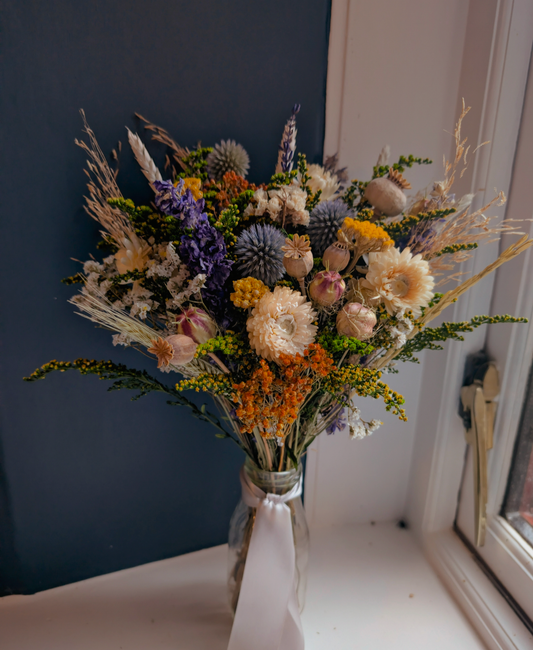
x=101, y=311
x=147, y=165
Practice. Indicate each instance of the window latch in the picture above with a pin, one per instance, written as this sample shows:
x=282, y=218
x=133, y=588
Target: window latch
x=479, y=411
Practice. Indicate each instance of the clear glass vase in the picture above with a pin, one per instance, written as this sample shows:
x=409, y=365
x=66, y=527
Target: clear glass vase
x=242, y=524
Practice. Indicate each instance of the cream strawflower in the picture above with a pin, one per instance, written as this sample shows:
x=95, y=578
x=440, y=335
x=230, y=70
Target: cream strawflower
x=281, y=322
x=133, y=255
x=323, y=180
x=403, y=281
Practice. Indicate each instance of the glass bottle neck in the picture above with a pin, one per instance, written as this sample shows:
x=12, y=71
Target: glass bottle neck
x=272, y=482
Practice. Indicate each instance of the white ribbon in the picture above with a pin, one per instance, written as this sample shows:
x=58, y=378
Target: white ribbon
x=267, y=616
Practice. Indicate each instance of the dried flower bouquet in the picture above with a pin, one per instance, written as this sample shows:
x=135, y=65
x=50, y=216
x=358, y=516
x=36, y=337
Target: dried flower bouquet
x=284, y=301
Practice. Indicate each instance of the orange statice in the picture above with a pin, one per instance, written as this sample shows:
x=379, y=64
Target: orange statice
x=270, y=401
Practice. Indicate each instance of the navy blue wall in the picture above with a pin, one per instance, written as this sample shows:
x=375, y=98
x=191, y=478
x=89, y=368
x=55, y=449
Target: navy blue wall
x=89, y=482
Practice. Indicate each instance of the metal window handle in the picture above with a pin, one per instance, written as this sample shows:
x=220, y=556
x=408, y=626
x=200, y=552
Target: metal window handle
x=477, y=399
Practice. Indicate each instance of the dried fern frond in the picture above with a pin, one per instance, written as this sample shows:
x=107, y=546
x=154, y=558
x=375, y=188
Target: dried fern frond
x=147, y=165
x=160, y=135
x=102, y=185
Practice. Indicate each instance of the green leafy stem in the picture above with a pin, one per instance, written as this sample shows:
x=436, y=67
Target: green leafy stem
x=427, y=338
x=138, y=380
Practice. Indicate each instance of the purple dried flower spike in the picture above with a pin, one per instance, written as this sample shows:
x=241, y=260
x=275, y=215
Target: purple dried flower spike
x=288, y=143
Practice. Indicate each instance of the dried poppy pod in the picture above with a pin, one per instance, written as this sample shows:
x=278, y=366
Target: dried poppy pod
x=386, y=194
x=298, y=259
x=356, y=321
x=300, y=267
x=326, y=288
x=336, y=257
x=177, y=350
x=196, y=324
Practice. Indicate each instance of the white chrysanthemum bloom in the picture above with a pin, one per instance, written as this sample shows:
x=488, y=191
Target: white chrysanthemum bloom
x=281, y=323
x=133, y=255
x=403, y=281
x=323, y=180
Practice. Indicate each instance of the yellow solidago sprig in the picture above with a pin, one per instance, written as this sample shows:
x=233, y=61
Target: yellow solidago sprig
x=362, y=237
x=248, y=292
x=208, y=383
x=364, y=382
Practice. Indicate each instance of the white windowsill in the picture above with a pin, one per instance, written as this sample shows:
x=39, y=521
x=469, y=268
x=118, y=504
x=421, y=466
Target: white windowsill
x=359, y=596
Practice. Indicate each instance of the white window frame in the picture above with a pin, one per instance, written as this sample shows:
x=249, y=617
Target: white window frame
x=439, y=453
x=507, y=554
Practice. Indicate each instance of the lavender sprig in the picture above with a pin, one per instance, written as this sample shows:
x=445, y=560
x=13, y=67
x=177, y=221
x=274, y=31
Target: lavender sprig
x=288, y=143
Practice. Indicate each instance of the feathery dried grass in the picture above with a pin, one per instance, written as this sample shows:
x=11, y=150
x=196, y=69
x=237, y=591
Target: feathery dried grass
x=102, y=185
x=464, y=226
x=147, y=165
x=160, y=135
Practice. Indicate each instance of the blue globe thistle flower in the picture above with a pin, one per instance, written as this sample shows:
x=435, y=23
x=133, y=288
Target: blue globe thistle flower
x=227, y=156
x=258, y=251
x=324, y=222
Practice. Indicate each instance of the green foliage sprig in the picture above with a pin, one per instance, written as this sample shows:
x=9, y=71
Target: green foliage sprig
x=284, y=178
x=354, y=193
x=230, y=344
x=455, y=248
x=226, y=224
x=400, y=166
x=78, y=278
x=402, y=228
x=366, y=383
x=132, y=379
x=426, y=339
x=147, y=223
x=196, y=164
x=337, y=344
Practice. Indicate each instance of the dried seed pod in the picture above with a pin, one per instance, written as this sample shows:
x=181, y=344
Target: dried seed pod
x=336, y=257
x=184, y=349
x=386, y=194
x=300, y=267
x=196, y=324
x=356, y=321
x=326, y=288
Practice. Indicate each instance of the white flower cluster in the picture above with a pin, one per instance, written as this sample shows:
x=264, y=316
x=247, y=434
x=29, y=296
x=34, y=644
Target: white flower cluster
x=180, y=294
x=401, y=331
x=360, y=429
x=286, y=204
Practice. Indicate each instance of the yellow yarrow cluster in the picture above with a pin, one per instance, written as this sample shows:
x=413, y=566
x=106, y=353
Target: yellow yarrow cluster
x=193, y=184
x=357, y=232
x=248, y=292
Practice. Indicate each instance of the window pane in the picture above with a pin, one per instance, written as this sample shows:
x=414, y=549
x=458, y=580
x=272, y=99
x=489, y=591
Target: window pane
x=518, y=504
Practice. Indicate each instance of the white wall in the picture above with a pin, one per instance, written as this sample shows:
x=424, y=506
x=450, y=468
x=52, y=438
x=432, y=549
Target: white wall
x=393, y=78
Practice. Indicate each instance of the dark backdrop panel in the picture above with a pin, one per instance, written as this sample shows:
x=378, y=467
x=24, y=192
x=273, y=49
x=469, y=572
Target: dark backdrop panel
x=91, y=483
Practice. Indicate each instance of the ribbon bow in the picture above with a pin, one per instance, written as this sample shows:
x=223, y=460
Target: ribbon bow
x=267, y=616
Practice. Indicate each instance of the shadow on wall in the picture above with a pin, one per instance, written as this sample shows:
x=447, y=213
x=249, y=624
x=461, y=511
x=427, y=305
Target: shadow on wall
x=91, y=483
